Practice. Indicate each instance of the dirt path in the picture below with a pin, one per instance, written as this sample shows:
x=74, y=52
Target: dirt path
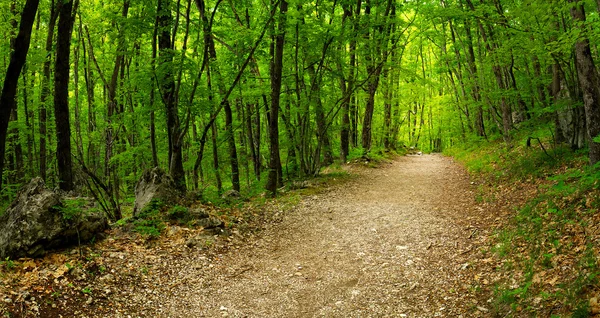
x=395, y=242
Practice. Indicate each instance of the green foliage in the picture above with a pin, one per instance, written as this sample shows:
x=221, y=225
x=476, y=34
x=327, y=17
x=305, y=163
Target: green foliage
x=178, y=213
x=149, y=222
x=71, y=208
x=8, y=264
x=373, y=158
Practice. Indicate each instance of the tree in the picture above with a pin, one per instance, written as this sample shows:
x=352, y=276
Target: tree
x=66, y=18
x=167, y=88
x=275, y=177
x=588, y=80
x=15, y=66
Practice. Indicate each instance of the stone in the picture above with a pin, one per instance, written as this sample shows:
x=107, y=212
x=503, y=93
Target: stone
x=198, y=213
x=34, y=223
x=155, y=184
x=210, y=223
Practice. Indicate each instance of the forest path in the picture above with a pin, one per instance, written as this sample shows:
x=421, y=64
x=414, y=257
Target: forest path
x=397, y=241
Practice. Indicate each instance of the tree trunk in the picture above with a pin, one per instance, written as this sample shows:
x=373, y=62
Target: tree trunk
x=11, y=78
x=210, y=44
x=215, y=151
x=589, y=82
x=167, y=85
x=66, y=18
x=29, y=117
x=274, y=178
x=479, y=121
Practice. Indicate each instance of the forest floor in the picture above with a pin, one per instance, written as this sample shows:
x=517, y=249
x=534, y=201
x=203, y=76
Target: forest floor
x=407, y=239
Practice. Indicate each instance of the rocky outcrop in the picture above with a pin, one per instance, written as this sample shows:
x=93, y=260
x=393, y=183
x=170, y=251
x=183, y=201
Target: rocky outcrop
x=154, y=184
x=36, y=222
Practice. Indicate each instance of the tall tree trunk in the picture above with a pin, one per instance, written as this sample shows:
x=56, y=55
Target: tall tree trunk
x=11, y=78
x=167, y=85
x=379, y=39
x=251, y=142
x=274, y=178
x=210, y=44
x=17, y=149
x=322, y=136
x=348, y=86
x=88, y=76
x=476, y=91
x=66, y=18
x=29, y=117
x=589, y=82
x=215, y=151
x=78, y=137
x=152, y=97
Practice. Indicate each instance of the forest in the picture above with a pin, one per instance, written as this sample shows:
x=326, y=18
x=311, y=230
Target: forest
x=245, y=95
x=251, y=95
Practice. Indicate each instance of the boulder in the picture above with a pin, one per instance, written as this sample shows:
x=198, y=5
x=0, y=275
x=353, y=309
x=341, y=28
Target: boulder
x=35, y=222
x=200, y=217
x=154, y=184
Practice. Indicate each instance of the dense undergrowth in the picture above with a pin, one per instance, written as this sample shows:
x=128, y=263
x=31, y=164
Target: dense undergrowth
x=549, y=246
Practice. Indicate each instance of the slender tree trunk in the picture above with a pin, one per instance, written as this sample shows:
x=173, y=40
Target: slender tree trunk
x=215, y=152
x=11, y=78
x=209, y=42
x=17, y=148
x=251, y=141
x=152, y=97
x=559, y=136
x=258, y=166
x=322, y=136
x=28, y=120
x=348, y=86
x=379, y=40
x=88, y=76
x=78, y=137
x=274, y=179
x=479, y=120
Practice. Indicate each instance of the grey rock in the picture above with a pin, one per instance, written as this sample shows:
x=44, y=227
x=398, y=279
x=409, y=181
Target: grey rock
x=198, y=213
x=154, y=184
x=33, y=223
x=210, y=223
